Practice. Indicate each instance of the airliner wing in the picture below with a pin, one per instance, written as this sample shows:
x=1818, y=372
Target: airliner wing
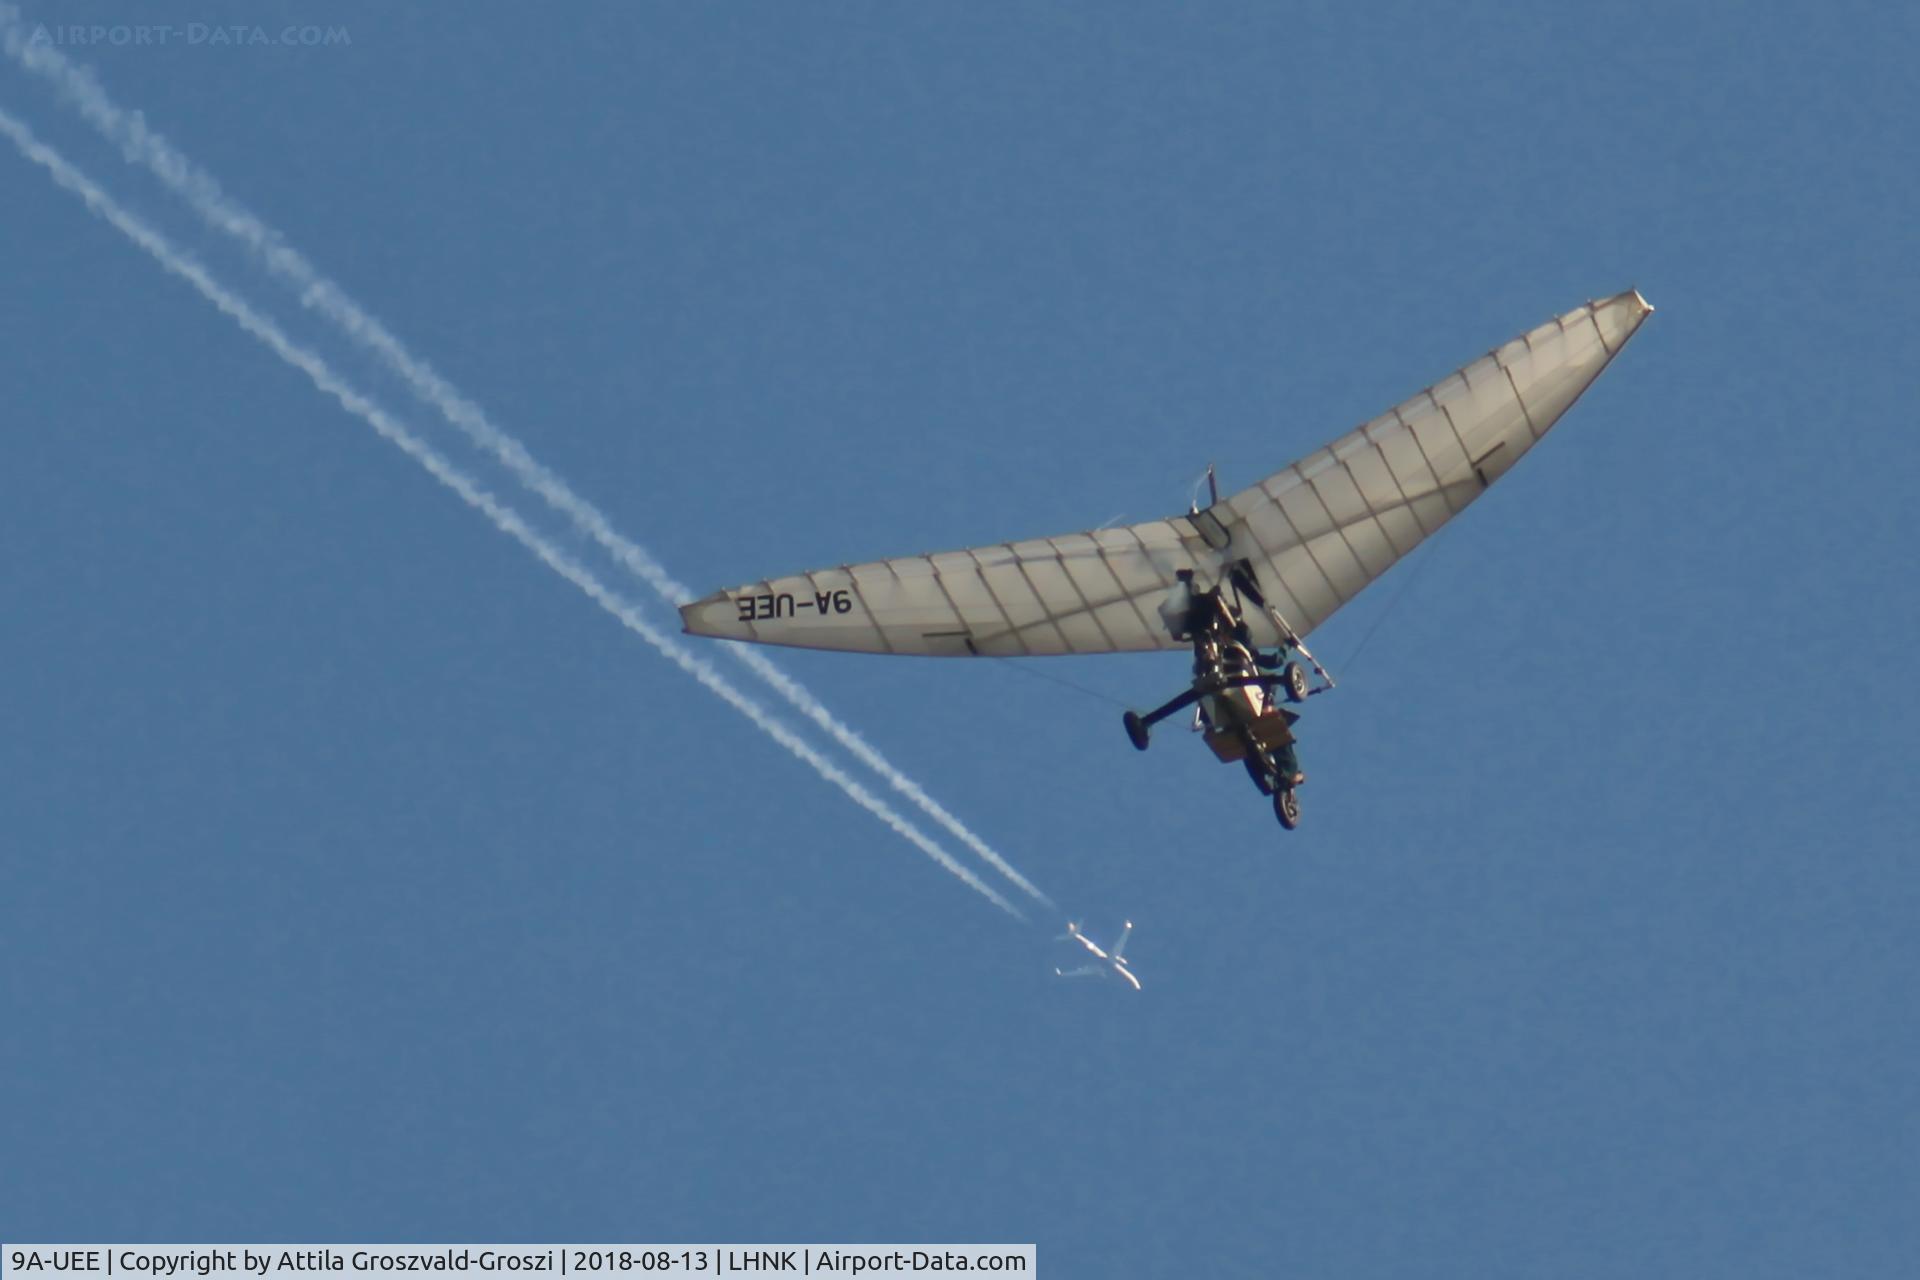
x=1084, y=971
x=1091, y=946
x=1120, y=947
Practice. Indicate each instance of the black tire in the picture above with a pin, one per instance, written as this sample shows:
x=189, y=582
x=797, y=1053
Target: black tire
x=1293, y=678
x=1286, y=807
x=1137, y=732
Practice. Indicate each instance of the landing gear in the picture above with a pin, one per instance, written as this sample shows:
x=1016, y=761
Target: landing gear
x=1286, y=807
x=1293, y=678
x=1137, y=730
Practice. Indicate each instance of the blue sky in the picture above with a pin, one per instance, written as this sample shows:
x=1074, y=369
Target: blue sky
x=363, y=881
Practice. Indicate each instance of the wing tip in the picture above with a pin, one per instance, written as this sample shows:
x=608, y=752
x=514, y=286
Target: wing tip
x=713, y=615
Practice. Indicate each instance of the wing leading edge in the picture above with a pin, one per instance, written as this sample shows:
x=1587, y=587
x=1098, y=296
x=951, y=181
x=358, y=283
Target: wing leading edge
x=1315, y=533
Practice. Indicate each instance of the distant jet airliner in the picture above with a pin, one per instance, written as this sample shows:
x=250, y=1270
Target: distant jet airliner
x=1110, y=962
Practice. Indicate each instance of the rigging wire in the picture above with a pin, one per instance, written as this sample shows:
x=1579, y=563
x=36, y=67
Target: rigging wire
x=1406, y=585
x=1012, y=664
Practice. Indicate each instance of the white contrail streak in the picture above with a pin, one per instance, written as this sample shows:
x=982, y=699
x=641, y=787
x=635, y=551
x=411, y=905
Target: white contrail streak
x=140, y=145
x=504, y=518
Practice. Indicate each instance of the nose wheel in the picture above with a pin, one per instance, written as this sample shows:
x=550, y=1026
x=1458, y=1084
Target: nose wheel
x=1286, y=807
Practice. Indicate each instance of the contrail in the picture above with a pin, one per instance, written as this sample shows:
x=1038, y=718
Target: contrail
x=503, y=517
x=140, y=145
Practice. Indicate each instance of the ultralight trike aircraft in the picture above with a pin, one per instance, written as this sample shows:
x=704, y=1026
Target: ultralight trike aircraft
x=1242, y=581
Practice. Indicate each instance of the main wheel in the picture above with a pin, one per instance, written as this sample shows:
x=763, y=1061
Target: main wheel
x=1136, y=730
x=1293, y=678
x=1286, y=807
